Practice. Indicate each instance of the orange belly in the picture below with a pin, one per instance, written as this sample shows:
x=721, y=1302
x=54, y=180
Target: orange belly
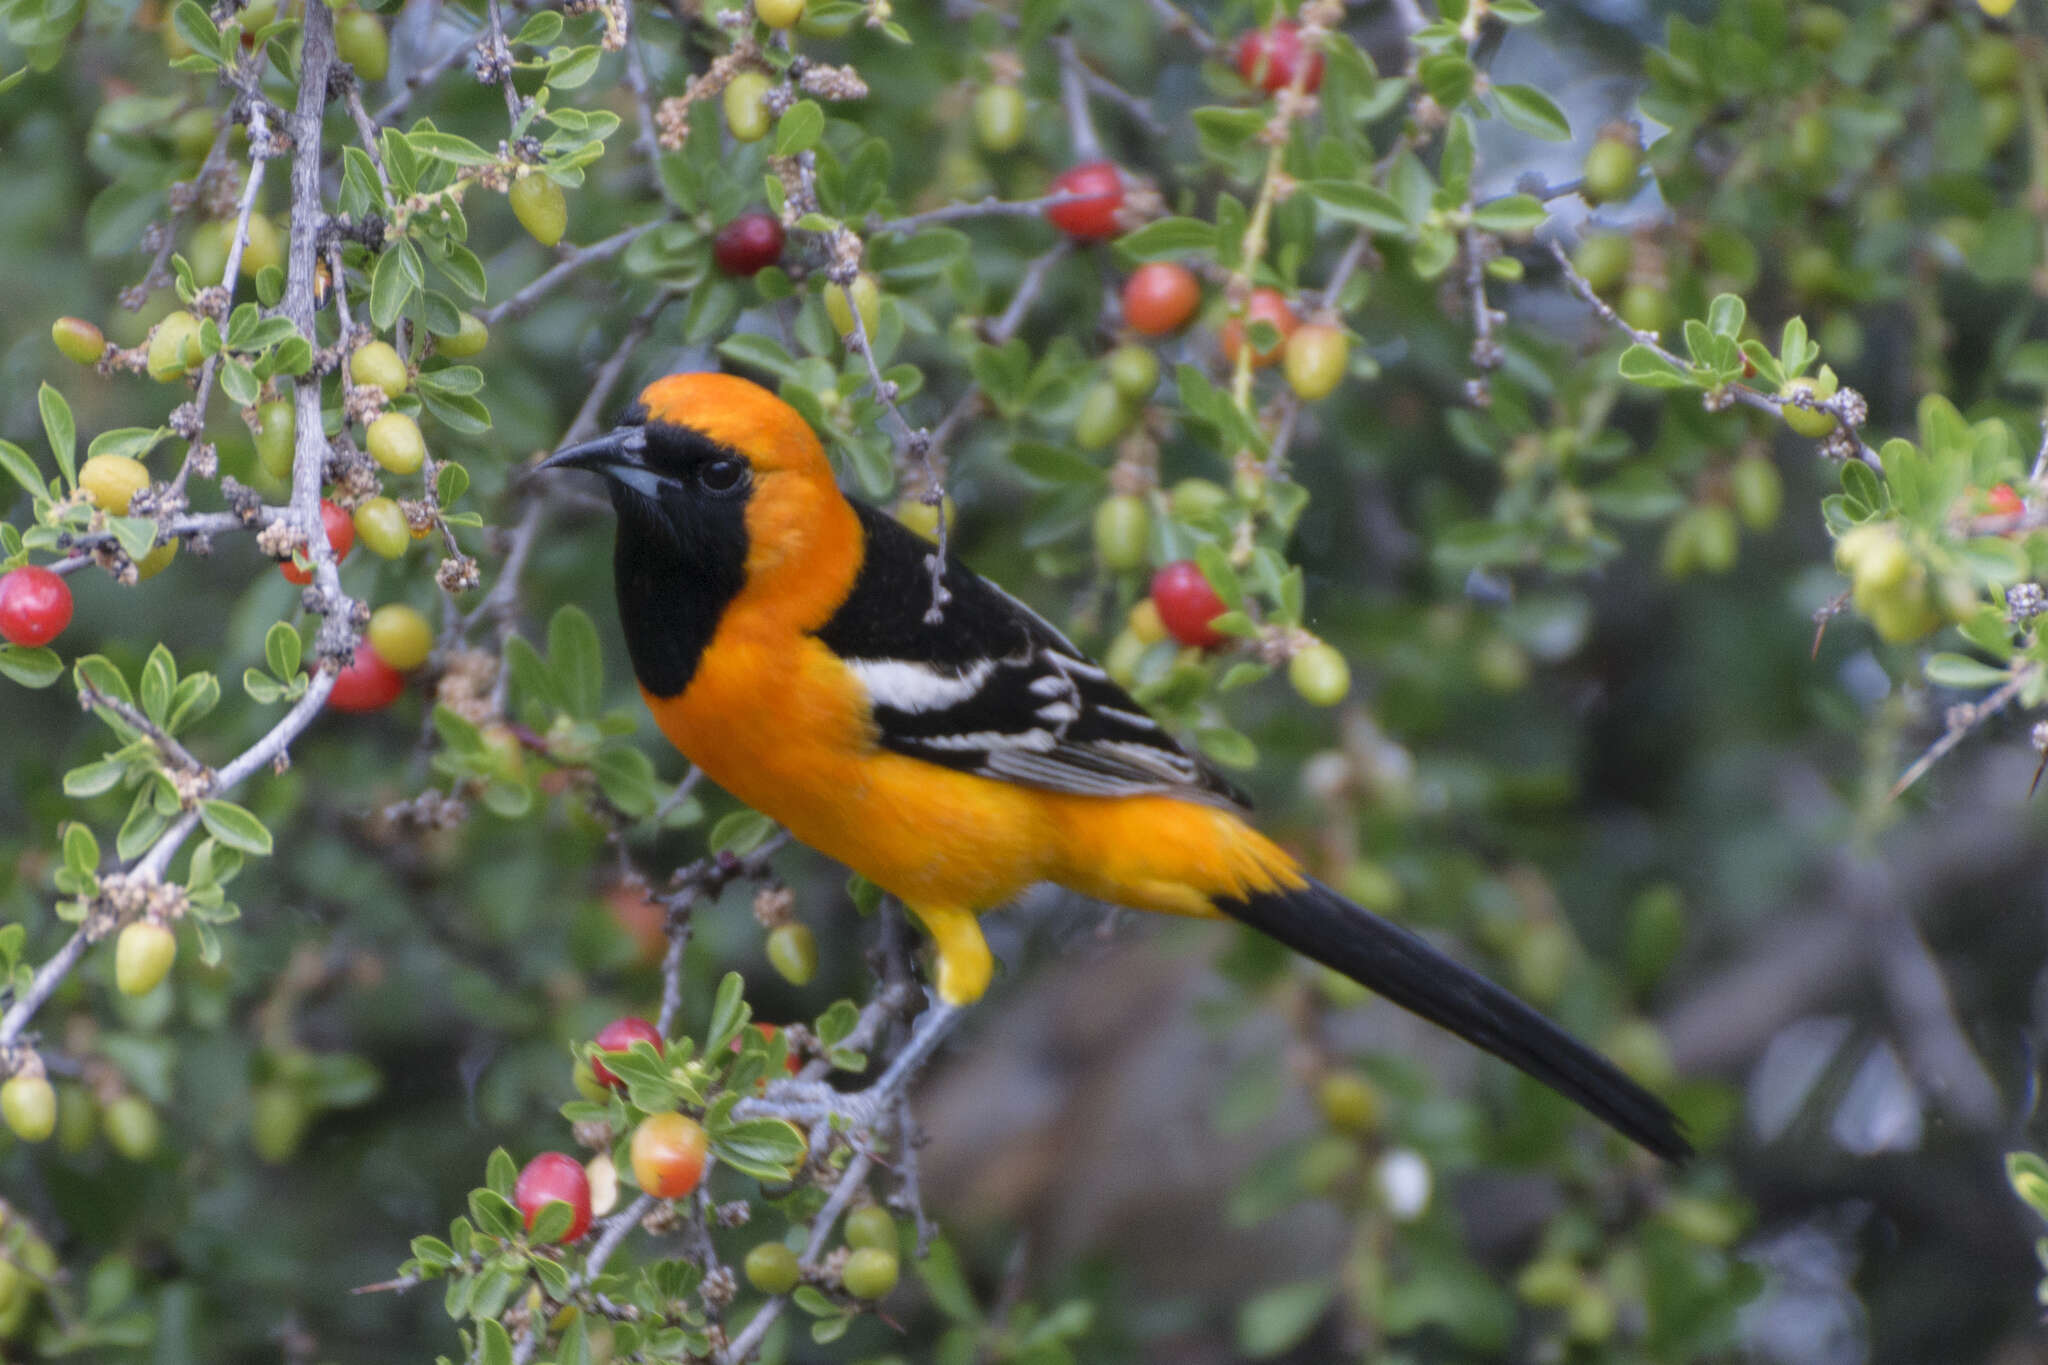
x=805, y=756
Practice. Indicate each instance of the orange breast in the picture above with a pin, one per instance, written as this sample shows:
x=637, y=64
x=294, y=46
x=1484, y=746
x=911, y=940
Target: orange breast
x=784, y=727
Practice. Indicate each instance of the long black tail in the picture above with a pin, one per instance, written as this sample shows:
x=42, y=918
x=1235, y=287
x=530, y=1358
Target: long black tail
x=1318, y=923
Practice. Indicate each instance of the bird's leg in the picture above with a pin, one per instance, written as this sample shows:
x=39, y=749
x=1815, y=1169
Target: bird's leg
x=965, y=964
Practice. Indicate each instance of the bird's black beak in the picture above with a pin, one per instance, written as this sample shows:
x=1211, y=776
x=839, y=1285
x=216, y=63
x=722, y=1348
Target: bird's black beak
x=617, y=450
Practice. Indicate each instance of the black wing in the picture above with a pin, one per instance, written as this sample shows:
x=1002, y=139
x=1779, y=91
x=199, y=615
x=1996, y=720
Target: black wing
x=992, y=688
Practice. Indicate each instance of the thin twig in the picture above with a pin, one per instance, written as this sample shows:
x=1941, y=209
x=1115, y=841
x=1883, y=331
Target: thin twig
x=165, y=743
x=428, y=74
x=1087, y=143
x=990, y=207
x=1841, y=406
x=1174, y=19
x=83, y=543
x=259, y=149
x=1975, y=715
x=151, y=867
x=1486, y=354
x=501, y=53
x=744, y=1345
x=573, y=261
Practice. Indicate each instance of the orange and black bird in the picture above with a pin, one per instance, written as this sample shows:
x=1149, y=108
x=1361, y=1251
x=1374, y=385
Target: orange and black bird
x=779, y=633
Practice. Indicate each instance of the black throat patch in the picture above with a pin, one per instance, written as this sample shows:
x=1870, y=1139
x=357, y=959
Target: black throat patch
x=680, y=558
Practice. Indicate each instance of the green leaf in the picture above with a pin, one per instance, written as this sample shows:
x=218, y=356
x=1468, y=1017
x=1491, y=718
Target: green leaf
x=135, y=535
x=767, y=1149
x=134, y=442
x=1168, y=237
x=458, y=151
x=390, y=286
x=96, y=673
x=758, y=352
x=1229, y=747
x=1641, y=365
x=553, y=1220
x=159, y=677
x=802, y=124
x=37, y=667
x=1511, y=213
x=192, y=701
x=91, y=779
x=81, y=848
x=1278, y=1319
x=282, y=650
x=197, y=28
x=1532, y=111
x=501, y=1172
x=1349, y=202
x=1055, y=465
x=947, y=1283
x=626, y=777
x=1726, y=314
x=729, y=1014
x=539, y=31
x=569, y=68
x=1964, y=673
x=494, y=1343
x=2028, y=1175
x=22, y=469
x=235, y=826
x=1449, y=77
x=450, y=483
x=575, y=661
x=741, y=832
x=58, y=426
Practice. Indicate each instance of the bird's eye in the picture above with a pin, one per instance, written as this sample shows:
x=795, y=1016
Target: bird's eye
x=721, y=476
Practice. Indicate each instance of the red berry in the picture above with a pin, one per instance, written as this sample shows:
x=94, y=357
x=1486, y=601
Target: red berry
x=2005, y=502
x=367, y=684
x=1187, y=604
x=1265, y=305
x=1160, y=297
x=748, y=243
x=1268, y=59
x=619, y=1036
x=1093, y=218
x=341, y=538
x=547, y=1178
x=35, y=606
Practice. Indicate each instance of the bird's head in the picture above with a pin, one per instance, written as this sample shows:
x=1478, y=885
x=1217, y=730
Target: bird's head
x=721, y=488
